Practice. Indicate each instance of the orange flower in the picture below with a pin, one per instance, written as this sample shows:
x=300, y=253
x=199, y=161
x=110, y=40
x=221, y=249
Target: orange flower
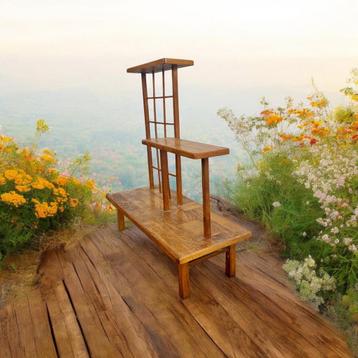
x=22, y=188
x=266, y=112
x=13, y=198
x=273, y=119
x=73, y=202
x=354, y=125
x=284, y=137
x=266, y=149
x=303, y=113
x=321, y=132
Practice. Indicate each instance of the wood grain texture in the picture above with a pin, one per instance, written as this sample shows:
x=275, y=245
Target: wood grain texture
x=205, y=191
x=165, y=179
x=120, y=221
x=118, y=298
x=230, y=261
x=160, y=65
x=186, y=148
x=177, y=231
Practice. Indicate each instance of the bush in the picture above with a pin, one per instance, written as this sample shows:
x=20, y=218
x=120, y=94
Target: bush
x=34, y=196
x=302, y=183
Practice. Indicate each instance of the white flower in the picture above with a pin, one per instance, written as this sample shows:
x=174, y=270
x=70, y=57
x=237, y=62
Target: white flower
x=276, y=204
x=347, y=241
x=304, y=234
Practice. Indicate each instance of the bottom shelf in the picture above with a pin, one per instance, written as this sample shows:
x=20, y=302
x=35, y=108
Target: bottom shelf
x=177, y=231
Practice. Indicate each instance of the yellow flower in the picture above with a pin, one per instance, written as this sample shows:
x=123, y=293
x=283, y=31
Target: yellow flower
x=2, y=180
x=354, y=97
x=23, y=179
x=90, y=184
x=318, y=101
x=60, y=192
x=10, y=174
x=73, y=202
x=62, y=180
x=266, y=149
x=13, y=198
x=5, y=139
x=22, y=188
x=48, y=156
x=273, y=119
x=44, y=209
x=41, y=126
x=42, y=183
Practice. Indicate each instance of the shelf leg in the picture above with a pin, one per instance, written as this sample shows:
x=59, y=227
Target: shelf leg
x=120, y=221
x=165, y=179
x=230, y=262
x=184, y=282
x=206, y=197
x=179, y=186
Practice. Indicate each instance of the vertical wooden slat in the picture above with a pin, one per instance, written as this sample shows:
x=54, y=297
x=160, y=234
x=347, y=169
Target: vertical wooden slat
x=156, y=130
x=165, y=178
x=177, y=134
x=147, y=130
x=164, y=109
x=206, y=196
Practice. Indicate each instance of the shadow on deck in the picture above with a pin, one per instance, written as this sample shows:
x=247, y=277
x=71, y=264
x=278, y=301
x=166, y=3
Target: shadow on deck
x=116, y=295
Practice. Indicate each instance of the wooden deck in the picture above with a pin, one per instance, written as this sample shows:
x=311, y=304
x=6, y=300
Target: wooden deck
x=115, y=294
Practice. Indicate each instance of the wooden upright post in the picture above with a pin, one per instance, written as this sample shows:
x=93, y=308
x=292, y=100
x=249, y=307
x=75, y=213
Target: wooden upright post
x=179, y=188
x=147, y=129
x=165, y=179
x=206, y=196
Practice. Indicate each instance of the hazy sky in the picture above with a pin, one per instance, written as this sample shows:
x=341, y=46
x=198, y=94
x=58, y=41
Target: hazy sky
x=236, y=45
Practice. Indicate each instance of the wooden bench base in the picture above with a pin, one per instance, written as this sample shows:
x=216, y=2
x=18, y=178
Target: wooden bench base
x=178, y=231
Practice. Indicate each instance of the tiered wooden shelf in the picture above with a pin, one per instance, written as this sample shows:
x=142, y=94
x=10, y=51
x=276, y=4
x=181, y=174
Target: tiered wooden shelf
x=185, y=230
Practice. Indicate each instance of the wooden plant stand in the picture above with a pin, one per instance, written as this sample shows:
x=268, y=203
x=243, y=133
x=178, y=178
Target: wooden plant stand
x=185, y=230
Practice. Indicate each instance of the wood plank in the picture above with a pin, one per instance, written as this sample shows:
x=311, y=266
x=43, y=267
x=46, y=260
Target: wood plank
x=5, y=341
x=41, y=328
x=254, y=312
x=24, y=322
x=58, y=323
x=173, y=330
x=289, y=310
x=186, y=148
x=97, y=340
x=121, y=326
x=203, y=307
x=160, y=65
x=178, y=231
x=13, y=332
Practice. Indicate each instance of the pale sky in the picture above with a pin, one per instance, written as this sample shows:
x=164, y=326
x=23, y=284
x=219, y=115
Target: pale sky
x=47, y=44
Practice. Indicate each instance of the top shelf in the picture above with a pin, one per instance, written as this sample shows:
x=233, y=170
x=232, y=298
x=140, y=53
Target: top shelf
x=186, y=148
x=159, y=65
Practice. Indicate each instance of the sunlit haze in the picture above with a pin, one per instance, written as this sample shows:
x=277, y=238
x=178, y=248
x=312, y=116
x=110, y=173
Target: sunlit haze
x=66, y=60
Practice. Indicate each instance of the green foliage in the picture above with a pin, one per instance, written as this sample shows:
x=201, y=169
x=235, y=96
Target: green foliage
x=36, y=198
x=294, y=220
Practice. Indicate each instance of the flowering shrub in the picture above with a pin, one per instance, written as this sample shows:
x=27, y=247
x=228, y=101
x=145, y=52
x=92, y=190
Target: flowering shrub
x=311, y=286
x=302, y=182
x=34, y=195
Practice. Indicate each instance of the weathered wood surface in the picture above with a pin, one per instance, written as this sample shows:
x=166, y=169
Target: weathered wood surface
x=177, y=231
x=115, y=295
x=186, y=148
